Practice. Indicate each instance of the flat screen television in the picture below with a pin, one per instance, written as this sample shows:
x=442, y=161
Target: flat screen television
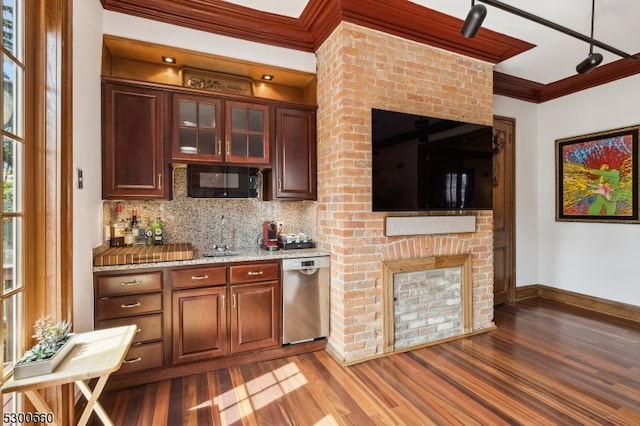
x=424, y=163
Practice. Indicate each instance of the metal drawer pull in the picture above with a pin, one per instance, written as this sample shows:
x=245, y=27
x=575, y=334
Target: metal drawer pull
x=255, y=273
x=223, y=299
x=132, y=360
x=130, y=283
x=199, y=277
x=138, y=331
x=131, y=305
x=233, y=299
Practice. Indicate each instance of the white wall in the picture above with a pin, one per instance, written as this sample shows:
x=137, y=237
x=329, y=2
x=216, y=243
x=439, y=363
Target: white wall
x=599, y=260
x=596, y=259
x=526, y=128
x=87, y=208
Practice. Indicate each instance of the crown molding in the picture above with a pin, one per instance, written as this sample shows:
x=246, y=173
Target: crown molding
x=398, y=17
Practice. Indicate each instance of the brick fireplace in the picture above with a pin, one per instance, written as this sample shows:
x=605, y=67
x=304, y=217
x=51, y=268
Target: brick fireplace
x=360, y=69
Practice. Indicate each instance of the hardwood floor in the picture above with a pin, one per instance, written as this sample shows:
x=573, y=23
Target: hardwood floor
x=545, y=364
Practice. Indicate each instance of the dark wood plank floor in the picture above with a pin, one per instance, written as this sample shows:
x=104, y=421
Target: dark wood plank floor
x=545, y=364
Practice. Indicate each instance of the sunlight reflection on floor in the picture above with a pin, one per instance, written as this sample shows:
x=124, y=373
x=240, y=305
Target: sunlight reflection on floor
x=258, y=393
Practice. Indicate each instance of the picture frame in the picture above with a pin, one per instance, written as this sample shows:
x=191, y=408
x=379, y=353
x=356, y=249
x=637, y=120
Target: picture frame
x=597, y=177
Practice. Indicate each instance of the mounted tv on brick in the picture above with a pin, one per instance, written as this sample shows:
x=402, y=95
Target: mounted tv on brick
x=425, y=163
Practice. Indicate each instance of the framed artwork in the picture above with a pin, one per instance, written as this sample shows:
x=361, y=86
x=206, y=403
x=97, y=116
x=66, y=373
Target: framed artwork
x=597, y=177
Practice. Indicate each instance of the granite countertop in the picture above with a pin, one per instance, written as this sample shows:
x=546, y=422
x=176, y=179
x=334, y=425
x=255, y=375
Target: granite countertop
x=241, y=255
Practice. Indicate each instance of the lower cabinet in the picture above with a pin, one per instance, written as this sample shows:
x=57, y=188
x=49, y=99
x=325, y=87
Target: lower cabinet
x=242, y=315
x=192, y=314
x=255, y=316
x=126, y=299
x=199, y=324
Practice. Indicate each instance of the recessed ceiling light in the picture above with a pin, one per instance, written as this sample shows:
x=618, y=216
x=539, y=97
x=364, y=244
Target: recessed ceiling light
x=267, y=77
x=169, y=59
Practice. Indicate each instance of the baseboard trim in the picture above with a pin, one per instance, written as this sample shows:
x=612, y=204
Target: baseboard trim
x=603, y=306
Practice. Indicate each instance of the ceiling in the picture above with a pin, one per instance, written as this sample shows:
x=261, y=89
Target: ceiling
x=532, y=62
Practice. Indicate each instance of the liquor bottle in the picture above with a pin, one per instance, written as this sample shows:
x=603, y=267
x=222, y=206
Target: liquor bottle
x=128, y=237
x=118, y=228
x=158, y=231
x=148, y=233
x=134, y=219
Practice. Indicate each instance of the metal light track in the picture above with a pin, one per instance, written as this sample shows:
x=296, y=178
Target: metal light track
x=526, y=15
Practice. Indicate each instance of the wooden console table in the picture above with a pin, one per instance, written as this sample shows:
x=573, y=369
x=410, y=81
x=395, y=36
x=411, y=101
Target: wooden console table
x=95, y=354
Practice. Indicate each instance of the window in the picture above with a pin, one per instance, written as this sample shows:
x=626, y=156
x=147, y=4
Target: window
x=12, y=213
x=35, y=110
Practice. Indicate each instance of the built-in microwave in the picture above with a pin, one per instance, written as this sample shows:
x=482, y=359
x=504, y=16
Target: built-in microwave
x=213, y=181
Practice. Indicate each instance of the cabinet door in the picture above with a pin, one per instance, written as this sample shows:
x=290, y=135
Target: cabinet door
x=199, y=324
x=295, y=168
x=197, y=129
x=255, y=316
x=133, y=153
x=246, y=133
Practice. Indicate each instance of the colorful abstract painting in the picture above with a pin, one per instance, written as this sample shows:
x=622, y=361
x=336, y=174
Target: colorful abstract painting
x=597, y=177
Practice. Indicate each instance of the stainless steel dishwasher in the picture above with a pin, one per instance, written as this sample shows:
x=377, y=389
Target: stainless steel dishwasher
x=305, y=298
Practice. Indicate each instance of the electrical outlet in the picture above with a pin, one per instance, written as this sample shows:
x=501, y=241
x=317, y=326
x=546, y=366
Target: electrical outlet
x=280, y=226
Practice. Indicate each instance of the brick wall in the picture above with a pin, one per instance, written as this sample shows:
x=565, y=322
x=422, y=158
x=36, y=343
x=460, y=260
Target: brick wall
x=360, y=69
x=427, y=306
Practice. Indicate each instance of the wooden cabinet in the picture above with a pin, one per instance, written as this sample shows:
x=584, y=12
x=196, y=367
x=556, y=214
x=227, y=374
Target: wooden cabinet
x=246, y=133
x=213, y=318
x=294, y=172
x=197, y=129
x=199, y=324
x=256, y=306
x=133, y=298
x=207, y=129
x=134, y=160
x=255, y=316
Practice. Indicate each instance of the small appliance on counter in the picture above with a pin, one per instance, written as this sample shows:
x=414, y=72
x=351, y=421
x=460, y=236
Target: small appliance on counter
x=295, y=241
x=269, y=235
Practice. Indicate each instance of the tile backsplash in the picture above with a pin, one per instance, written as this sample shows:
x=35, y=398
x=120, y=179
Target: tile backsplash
x=199, y=220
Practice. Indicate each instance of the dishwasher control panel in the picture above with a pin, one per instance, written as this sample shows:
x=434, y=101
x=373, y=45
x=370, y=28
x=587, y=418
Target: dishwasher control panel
x=306, y=263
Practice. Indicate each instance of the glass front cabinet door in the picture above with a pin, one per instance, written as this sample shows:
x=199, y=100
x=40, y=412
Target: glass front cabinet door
x=197, y=129
x=246, y=133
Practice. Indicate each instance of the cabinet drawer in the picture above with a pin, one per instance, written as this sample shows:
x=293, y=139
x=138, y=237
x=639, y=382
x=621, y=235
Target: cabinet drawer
x=149, y=326
x=115, y=285
x=199, y=277
x=254, y=272
x=126, y=306
x=141, y=357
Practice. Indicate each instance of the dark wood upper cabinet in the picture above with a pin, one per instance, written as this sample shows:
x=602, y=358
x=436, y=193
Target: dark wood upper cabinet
x=134, y=161
x=294, y=174
x=197, y=129
x=208, y=129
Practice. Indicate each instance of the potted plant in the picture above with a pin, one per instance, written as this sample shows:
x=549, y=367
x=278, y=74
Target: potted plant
x=54, y=341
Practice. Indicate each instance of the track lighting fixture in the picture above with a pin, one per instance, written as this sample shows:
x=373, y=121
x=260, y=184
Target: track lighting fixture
x=594, y=59
x=478, y=12
x=474, y=20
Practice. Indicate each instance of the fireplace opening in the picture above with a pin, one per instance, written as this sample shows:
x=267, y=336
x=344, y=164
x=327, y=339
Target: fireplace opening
x=426, y=301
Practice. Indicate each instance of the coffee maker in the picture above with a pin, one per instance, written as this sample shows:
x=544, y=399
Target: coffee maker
x=269, y=235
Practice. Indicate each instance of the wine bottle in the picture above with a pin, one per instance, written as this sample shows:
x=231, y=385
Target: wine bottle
x=158, y=231
x=118, y=228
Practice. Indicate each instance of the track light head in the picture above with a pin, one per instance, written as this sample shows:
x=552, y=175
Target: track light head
x=591, y=61
x=474, y=20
